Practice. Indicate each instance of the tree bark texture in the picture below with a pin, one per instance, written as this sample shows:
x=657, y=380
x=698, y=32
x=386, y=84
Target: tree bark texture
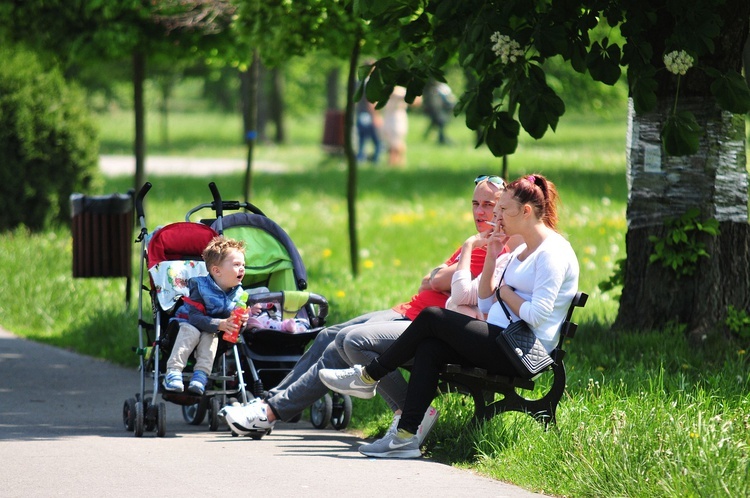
x=662, y=187
x=277, y=104
x=351, y=160
x=250, y=118
x=332, y=89
x=139, y=77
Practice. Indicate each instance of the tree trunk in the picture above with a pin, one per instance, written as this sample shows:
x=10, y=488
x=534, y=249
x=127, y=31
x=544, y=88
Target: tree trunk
x=351, y=159
x=165, y=85
x=662, y=187
x=249, y=80
x=262, y=104
x=332, y=89
x=139, y=76
x=277, y=104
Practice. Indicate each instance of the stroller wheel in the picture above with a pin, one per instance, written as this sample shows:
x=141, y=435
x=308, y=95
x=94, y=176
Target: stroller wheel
x=138, y=423
x=128, y=414
x=213, y=422
x=321, y=411
x=195, y=414
x=151, y=414
x=161, y=420
x=342, y=411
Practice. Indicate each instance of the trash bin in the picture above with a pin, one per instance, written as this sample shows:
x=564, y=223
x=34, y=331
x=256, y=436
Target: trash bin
x=102, y=235
x=333, y=131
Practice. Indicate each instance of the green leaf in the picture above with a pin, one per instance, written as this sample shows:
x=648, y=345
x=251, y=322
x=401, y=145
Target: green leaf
x=732, y=93
x=502, y=134
x=644, y=96
x=680, y=135
x=539, y=105
x=552, y=40
x=603, y=63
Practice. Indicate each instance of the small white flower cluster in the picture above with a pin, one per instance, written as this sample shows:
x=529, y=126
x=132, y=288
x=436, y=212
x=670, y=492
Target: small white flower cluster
x=506, y=48
x=678, y=62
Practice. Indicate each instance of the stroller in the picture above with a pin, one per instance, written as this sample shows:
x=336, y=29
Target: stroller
x=173, y=256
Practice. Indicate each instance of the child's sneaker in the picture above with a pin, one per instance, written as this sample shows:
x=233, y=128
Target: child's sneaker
x=198, y=383
x=349, y=381
x=429, y=419
x=173, y=381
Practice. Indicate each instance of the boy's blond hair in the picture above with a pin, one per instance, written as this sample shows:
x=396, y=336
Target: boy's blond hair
x=218, y=249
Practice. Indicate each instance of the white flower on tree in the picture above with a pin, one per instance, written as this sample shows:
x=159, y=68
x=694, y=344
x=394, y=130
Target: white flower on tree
x=506, y=48
x=678, y=62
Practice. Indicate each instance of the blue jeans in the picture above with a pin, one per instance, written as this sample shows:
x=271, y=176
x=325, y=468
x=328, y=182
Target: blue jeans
x=361, y=343
x=302, y=387
x=366, y=131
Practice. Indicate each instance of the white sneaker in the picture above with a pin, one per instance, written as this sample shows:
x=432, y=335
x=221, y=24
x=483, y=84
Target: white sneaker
x=249, y=418
x=429, y=419
x=348, y=381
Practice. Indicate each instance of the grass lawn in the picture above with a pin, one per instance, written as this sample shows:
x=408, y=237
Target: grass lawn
x=645, y=414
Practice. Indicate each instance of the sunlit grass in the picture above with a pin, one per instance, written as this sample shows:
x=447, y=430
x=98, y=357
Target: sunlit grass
x=644, y=414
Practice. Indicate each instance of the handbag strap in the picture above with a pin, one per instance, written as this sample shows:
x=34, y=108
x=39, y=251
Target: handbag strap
x=497, y=291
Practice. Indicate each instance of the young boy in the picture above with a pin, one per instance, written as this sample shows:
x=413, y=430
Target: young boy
x=206, y=313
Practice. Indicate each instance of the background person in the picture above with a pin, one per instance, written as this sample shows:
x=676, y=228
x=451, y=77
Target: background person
x=396, y=126
x=369, y=126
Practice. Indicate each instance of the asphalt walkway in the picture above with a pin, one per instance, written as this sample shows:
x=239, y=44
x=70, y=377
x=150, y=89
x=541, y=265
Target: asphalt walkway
x=62, y=434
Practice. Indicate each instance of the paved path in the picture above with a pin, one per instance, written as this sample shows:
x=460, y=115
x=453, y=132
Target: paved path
x=169, y=165
x=61, y=434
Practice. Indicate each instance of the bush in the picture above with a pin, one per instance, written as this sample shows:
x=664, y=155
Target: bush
x=48, y=143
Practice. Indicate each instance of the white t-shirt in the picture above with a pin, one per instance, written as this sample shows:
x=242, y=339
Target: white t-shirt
x=548, y=281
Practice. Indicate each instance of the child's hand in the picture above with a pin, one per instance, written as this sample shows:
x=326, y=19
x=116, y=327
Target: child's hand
x=228, y=325
x=244, y=315
x=256, y=309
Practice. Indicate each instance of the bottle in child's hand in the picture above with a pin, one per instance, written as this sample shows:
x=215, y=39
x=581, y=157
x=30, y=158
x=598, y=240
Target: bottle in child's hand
x=237, y=314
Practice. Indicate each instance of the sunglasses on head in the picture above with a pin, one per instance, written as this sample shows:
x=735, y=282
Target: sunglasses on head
x=495, y=180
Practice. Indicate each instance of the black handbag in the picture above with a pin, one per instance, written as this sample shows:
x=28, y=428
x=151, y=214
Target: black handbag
x=520, y=343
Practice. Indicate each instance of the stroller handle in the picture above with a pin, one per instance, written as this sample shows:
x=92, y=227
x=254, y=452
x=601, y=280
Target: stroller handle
x=139, y=211
x=218, y=206
x=139, y=199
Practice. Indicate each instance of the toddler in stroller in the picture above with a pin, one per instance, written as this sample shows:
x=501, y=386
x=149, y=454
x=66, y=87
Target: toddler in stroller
x=173, y=256
x=268, y=316
x=206, y=312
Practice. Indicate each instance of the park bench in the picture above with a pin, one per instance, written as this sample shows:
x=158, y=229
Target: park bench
x=483, y=387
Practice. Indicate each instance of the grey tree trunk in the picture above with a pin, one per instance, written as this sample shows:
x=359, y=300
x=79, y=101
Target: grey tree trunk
x=662, y=187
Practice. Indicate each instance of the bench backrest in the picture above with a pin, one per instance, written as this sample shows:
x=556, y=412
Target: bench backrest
x=568, y=327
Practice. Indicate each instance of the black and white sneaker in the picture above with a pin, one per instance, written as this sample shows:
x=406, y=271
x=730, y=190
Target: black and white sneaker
x=248, y=419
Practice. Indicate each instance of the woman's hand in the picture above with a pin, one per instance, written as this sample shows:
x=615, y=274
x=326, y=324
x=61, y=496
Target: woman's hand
x=496, y=241
x=478, y=240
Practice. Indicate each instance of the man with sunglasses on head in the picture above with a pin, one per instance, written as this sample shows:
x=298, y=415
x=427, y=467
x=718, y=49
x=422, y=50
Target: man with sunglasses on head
x=368, y=334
